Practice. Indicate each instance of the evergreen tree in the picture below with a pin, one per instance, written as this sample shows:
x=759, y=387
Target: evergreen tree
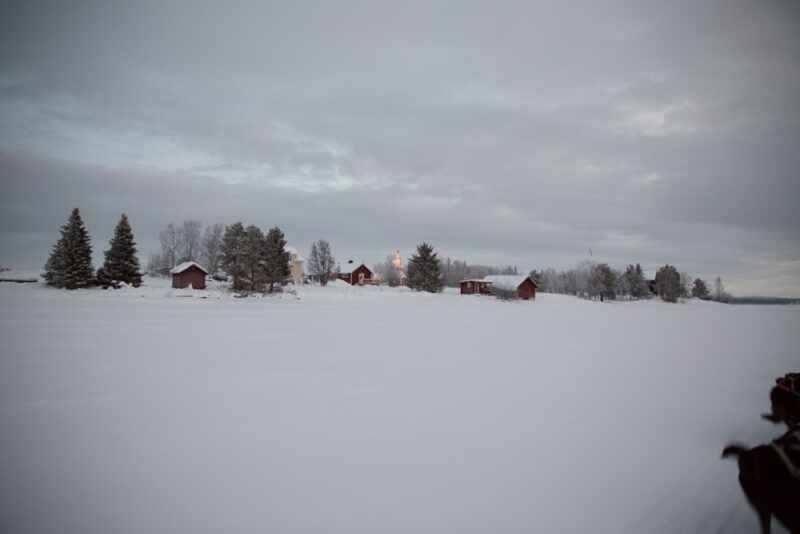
x=276, y=258
x=70, y=263
x=424, y=270
x=638, y=285
x=121, y=264
x=254, y=257
x=104, y=280
x=668, y=283
x=602, y=281
x=700, y=290
x=54, y=268
x=233, y=253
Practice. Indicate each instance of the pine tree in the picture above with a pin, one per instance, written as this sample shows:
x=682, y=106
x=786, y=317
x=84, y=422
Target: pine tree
x=276, y=258
x=668, y=283
x=424, y=270
x=254, y=257
x=70, y=263
x=54, y=268
x=121, y=264
x=233, y=253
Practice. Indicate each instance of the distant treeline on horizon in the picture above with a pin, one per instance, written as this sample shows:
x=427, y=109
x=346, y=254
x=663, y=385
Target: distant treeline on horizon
x=765, y=300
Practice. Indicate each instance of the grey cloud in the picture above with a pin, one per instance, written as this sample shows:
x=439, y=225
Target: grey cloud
x=518, y=132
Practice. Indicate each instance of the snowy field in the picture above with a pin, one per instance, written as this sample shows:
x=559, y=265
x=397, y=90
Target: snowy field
x=369, y=410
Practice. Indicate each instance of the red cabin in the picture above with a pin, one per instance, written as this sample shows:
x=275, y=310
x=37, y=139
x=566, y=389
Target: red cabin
x=358, y=274
x=188, y=274
x=473, y=287
x=523, y=287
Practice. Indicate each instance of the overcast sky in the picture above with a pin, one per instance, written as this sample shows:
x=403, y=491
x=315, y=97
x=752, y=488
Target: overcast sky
x=509, y=133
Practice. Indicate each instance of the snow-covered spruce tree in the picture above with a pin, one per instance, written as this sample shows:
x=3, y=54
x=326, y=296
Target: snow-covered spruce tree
x=70, y=263
x=54, y=268
x=424, y=271
x=121, y=264
x=276, y=258
x=233, y=254
x=668, y=283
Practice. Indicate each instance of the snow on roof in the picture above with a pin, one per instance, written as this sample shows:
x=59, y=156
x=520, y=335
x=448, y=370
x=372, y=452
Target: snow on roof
x=476, y=280
x=352, y=265
x=178, y=269
x=506, y=281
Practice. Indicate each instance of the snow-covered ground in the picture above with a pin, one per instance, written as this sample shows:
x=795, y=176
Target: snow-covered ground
x=347, y=410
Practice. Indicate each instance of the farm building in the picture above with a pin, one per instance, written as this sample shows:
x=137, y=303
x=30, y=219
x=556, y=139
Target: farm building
x=188, y=274
x=475, y=286
x=522, y=286
x=356, y=273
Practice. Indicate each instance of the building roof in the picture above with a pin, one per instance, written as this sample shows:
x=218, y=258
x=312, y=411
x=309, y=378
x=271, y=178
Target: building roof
x=509, y=282
x=351, y=266
x=476, y=281
x=178, y=269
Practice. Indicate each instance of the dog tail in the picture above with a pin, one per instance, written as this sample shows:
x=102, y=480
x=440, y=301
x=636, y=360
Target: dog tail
x=734, y=449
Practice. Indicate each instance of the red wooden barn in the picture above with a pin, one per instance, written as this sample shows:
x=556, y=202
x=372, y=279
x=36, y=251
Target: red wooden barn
x=357, y=273
x=188, y=274
x=523, y=287
x=471, y=287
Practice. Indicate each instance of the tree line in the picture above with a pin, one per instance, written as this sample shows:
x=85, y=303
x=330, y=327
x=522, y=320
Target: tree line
x=257, y=262
x=254, y=260
x=600, y=281
x=188, y=241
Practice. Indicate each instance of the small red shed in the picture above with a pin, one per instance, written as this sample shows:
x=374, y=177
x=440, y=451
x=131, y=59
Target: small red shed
x=524, y=287
x=188, y=274
x=475, y=286
x=358, y=273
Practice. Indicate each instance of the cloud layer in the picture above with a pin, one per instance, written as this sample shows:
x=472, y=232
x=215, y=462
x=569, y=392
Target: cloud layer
x=519, y=133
